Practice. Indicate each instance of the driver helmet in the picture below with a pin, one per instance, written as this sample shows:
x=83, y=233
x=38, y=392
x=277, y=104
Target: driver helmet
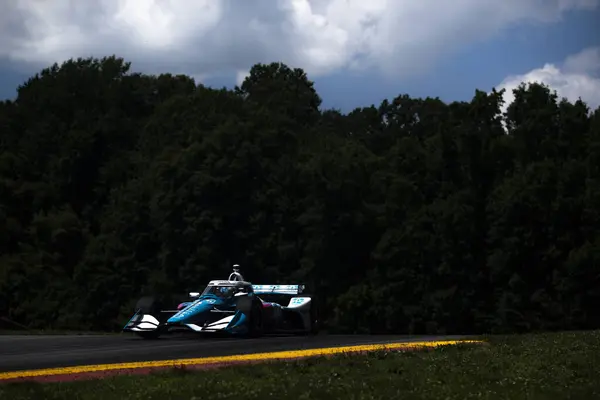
x=226, y=290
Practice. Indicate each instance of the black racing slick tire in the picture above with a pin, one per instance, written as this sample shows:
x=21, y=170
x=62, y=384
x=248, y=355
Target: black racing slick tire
x=148, y=305
x=251, y=307
x=255, y=329
x=313, y=329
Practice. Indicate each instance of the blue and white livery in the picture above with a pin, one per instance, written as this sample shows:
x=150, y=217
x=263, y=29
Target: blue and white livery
x=233, y=306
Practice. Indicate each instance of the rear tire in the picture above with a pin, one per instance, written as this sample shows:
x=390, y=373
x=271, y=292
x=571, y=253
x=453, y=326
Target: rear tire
x=313, y=316
x=313, y=313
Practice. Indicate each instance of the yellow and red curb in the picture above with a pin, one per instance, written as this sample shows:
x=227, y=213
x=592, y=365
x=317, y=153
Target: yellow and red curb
x=83, y=371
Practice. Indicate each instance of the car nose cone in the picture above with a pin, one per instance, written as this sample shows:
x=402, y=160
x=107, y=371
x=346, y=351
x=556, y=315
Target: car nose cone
x=194, y=309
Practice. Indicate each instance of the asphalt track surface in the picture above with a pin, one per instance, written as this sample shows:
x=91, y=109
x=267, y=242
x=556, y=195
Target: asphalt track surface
x=26, y=352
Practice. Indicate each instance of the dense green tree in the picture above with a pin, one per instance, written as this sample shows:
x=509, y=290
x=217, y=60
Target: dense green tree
x=413, y=215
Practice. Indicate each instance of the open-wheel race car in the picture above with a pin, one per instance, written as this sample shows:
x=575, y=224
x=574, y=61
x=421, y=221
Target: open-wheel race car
x=233, y=306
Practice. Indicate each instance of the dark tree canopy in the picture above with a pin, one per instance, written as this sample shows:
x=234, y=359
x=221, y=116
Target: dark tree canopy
x=413, y=216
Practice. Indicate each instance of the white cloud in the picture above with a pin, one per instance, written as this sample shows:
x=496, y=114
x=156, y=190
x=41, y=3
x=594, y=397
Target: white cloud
x=585, y=62
x=240, y=77
x=204, y=37
x=577, y=77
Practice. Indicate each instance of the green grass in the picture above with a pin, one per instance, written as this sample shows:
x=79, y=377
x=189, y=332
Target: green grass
x=544, y=366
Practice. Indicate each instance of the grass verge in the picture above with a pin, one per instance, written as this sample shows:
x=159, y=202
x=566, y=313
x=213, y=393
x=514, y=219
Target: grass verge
x=544, y=366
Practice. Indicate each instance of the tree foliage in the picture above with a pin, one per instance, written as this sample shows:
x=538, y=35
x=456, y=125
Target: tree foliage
x=414, y=216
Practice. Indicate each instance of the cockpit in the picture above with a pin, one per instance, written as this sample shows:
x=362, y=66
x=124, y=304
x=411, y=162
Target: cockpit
x=235, y=285
x=225, y=291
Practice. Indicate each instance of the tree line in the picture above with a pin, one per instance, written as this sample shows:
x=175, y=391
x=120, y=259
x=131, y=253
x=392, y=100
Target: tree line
x=413, y=216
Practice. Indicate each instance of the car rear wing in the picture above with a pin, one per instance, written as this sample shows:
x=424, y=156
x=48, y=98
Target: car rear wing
x=278, y=289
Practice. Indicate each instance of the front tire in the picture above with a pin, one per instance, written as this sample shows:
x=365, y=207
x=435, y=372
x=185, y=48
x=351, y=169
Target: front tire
x=255, y=328
x=151, y=306
x=252, y=309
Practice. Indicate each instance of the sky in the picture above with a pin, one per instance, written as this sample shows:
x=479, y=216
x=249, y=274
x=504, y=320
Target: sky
x=358, y=52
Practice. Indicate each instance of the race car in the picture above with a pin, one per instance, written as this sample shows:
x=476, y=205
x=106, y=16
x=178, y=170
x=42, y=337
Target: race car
x=233, y=306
